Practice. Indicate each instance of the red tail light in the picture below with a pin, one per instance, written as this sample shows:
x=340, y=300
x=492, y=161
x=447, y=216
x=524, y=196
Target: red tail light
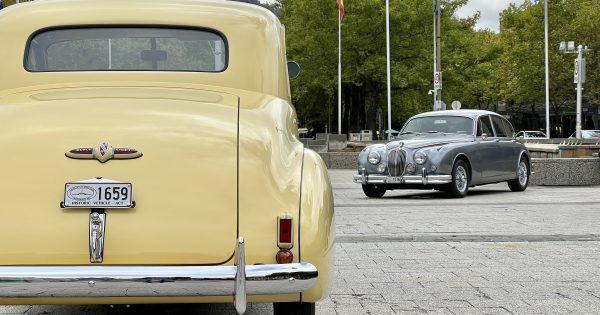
x=285, y=230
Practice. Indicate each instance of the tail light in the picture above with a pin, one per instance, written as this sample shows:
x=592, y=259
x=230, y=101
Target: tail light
x=285, y=231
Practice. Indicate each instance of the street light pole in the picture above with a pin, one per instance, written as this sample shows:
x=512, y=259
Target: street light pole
x=547, y=69
x=579, y=77
x=579, y=81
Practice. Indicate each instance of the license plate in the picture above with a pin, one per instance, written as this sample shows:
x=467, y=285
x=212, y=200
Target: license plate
x=394, y=180
x=98, y=193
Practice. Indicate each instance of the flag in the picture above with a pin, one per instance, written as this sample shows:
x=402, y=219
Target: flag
x=340, y=4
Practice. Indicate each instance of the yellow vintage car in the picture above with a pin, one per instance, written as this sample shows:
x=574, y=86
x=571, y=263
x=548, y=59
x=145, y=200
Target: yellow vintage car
x=150, y=154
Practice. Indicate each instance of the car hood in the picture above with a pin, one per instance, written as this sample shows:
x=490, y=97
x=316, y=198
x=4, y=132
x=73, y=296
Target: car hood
x=429, y=140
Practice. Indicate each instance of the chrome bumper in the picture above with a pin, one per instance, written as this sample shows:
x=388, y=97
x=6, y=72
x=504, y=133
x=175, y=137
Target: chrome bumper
x=158, y=281
x=423, y=179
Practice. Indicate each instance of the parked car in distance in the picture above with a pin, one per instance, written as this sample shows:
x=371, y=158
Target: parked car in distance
x=530, y=134
x=586, y=134
x=449, y=150
x=224, y=205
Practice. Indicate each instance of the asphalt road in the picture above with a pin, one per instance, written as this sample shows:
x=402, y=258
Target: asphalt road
x=493, y=252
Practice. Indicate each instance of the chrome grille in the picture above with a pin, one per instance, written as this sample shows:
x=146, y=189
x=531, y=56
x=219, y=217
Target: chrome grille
x=396, y=161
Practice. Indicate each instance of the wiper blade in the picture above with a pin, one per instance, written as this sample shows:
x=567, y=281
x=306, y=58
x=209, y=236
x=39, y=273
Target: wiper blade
x=409, y=133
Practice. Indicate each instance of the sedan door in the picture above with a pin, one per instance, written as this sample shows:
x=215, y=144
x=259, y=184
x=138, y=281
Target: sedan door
x=510, y=149
x=490, y=154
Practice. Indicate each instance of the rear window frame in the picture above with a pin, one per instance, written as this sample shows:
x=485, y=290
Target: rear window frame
x=89, y=26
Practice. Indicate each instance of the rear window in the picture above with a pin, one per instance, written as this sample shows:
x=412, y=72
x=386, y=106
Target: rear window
x=126, y=49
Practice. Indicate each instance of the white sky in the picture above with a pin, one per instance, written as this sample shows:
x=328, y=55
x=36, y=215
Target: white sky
x=490, y=11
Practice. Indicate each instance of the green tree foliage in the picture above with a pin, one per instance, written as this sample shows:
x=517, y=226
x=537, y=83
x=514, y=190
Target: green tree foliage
x=521, y=65
x=311, y=27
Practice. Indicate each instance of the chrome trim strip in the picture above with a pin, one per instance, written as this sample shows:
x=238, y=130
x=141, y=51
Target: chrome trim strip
x=239, y=288
x=97, y=228
x=408, y=179
x=152, y=281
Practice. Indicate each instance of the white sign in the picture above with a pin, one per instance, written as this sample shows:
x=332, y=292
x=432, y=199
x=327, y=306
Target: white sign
x=437, y=81
x=456, y=105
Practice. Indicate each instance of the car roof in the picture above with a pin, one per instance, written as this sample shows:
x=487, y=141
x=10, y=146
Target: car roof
x=254, y=36
x=472, y=113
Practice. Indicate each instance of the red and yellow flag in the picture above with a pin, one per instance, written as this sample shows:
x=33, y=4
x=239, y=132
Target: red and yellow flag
x=340, y=4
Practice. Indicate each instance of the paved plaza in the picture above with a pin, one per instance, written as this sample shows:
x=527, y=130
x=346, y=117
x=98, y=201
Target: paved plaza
x=414, y=252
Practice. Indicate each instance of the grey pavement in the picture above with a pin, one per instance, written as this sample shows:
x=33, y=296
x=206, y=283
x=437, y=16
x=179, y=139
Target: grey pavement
x=415, y=252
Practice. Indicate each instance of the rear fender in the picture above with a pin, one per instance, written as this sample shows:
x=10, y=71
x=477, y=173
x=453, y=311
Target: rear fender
x=317, y=225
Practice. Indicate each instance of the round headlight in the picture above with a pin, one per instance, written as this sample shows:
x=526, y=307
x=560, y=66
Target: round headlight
x=420, y=157
x=381, y=168
x=374, y=157
x=410, y=168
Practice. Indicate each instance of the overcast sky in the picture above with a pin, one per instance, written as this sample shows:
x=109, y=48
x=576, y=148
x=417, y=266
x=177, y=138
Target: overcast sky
x=490, y=11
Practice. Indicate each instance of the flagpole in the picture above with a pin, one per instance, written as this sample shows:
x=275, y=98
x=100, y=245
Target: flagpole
x=389, y=91
x=339, y=72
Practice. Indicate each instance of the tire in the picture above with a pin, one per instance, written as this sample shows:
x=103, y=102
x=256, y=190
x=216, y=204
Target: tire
x=459, y=187
x=520, y=183
x=373, y=191
x=293, y=308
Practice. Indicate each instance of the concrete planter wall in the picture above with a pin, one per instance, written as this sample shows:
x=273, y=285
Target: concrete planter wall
x=549, y=172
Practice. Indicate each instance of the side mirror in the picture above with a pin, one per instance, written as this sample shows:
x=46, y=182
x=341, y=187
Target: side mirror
x=293, y=69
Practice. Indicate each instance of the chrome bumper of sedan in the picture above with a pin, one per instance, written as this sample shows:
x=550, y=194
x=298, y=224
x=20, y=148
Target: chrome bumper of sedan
x=158, y=281
x=423, y=179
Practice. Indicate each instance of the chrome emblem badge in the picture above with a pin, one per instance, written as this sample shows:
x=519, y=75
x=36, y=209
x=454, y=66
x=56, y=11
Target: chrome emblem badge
x=104, y=152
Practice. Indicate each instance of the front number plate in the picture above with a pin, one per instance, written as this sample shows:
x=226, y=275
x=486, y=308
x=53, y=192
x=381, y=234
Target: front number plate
x=97, y=195
x=394, y=180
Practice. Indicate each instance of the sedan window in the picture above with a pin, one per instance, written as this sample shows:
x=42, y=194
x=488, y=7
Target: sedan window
x=435, y=124
x=502, y=129
x=484, y=125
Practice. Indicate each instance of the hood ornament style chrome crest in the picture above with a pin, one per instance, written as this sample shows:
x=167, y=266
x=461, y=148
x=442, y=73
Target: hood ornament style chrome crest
x=104, y=152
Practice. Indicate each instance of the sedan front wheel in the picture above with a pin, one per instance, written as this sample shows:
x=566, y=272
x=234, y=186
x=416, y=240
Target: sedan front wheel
x=373, y=191
x=459, y=186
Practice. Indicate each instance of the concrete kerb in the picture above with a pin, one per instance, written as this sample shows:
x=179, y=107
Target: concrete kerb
x=548, y=172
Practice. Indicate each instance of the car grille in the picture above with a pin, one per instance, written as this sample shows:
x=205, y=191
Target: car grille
x=396, y=161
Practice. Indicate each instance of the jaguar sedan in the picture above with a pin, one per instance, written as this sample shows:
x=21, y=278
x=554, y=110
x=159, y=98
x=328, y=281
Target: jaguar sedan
x=449, y=151
x=150, y=154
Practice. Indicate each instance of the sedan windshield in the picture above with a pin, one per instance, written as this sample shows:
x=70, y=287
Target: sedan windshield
x=439, y=124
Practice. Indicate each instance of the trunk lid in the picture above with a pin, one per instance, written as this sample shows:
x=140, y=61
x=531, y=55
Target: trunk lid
x=184, y=185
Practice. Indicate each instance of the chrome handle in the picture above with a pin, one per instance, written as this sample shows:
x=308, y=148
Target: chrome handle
x=97, y=225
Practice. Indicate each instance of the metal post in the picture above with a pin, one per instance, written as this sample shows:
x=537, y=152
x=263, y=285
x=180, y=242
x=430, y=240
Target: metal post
x=339, y=72
x=579, y=79
x=389, y=89
x=439, y=48
x=547, y=69
x=434, y=53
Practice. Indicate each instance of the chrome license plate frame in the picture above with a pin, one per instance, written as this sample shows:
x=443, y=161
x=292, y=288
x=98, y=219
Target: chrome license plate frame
x=98, y=194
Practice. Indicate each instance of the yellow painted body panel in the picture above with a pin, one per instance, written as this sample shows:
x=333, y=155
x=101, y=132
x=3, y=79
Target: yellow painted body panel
x=221, y=155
